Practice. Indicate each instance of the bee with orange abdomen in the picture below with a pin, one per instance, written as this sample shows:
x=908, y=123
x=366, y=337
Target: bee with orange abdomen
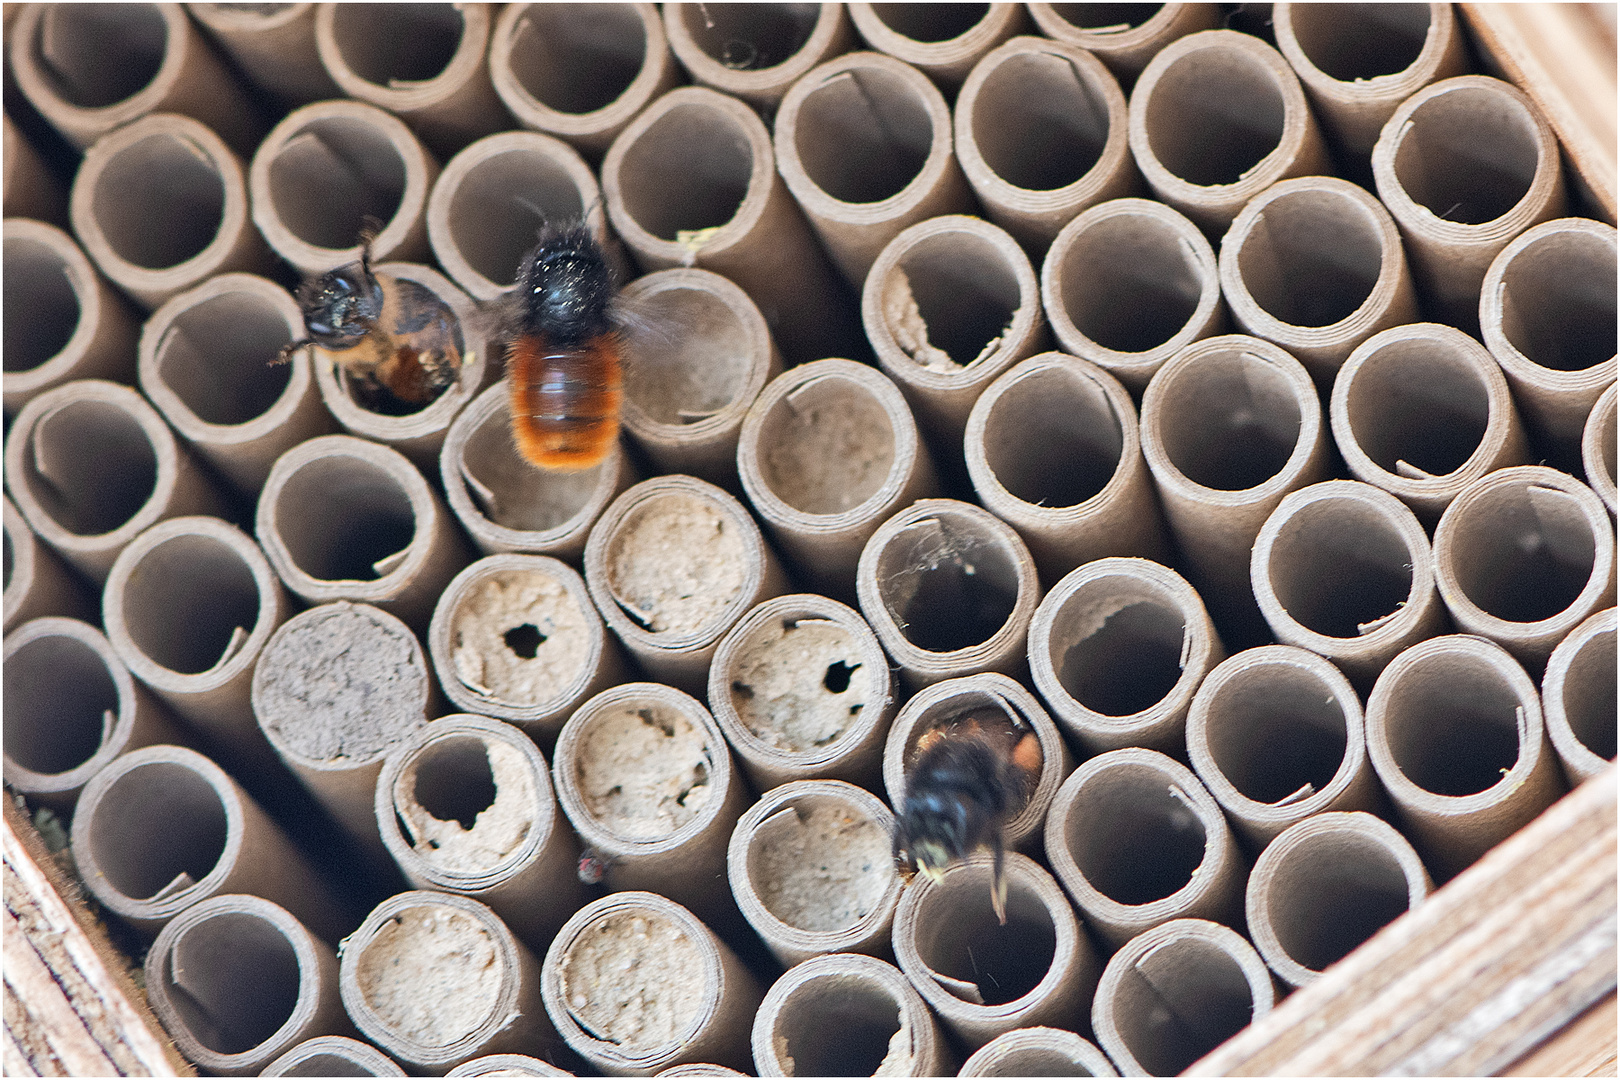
x=398, y=343
x=563, y=361
x=965, y=780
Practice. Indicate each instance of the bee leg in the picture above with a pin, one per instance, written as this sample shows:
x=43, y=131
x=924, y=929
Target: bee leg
x=998, y=885
x=286, y=353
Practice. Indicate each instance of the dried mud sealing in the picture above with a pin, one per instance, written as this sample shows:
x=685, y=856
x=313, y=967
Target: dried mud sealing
x=644, y=771
x=800, y=684
x=676, y=565
x=635, y=980
x=430, y=975
x=519, y=637
x=821, y=868
x=498, y=831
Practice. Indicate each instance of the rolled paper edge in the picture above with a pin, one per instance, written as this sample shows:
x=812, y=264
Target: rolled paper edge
x=351, y=1052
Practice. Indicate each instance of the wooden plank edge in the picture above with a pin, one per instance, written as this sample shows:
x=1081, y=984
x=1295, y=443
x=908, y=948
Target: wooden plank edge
x=1536, y=981
x=70, y=1006
x=1563, y=56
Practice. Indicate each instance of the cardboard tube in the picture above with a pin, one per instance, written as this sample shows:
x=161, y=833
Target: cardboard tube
x=1597, y=449
x=1174, y=993
x=945, y=703
x=699, y=1068
x=418, y=435
x=673, y=563
x=273, y=46
x=327, y=167
x=161, y=205
x=1216, y=118
x=63, y=320
x=864, y=144
x=802, y=690
x=1456, y=215
x=812, y=870
x=582, y=72
x=1454, y=730
x=493, y=199
x=1137, y=841
x=425, y=64
x=337, y=688
x=1123, y=36
x=1230, y=425
x=950, y=304
x=31, y=190
x=37, y=582
x=1423, y=411
x=646, y=779
x=1359, y=62
x=1577, y=698
x=1040, y=133
x=1277, y=735
x=1053, y=450
x=333, y=1055
x=1128, y=284
x=692, y=998
x=827, y=453
x=189, y=607
x=1378, y=598
x=1037, y=968
x=516, y=637
x=696, y=357
x=1522, y=556
x=163, y=827
x=943, y=40
x=207, y=361
x=847, y=1013
x=1547, y=311
x=949, y=590
x=505, y=503
x=437, y=979
x=465, y=806
x=1039, y=1051
x=237, y=981
x=755, y=51
x=73, y=709
x=91, y=466
x=1118, y=647
x=1324, y=886
x=507, y=1065
x=341, y=518
x=1315, y=265
x=692, y=181
x=91, y=70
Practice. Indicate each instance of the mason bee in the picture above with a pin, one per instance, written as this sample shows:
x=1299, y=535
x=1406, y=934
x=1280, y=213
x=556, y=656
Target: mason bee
x=563, y=358
x=398, y=343
x=965, y=780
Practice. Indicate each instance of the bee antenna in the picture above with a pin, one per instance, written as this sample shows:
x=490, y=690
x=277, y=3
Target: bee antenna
x=286, y=353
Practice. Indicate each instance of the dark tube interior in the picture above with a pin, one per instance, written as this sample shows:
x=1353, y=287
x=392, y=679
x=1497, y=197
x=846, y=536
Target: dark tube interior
x=1558, y=301
x=578, y=58
x=386, y=44
x=1469, y=156
x=1037, y=124
x=454, y=781
x=1173, y=1016
x=966, y=291
x=57, y=692
x=1452, y=728
x=92, y=466
x=1589, y=694
x=1053, y=439
x=1330, y=896
x=1523, y=553
x=1361, y=41
x=159, y=202
x=1130, y=283
x=1101, y=16
x=155, y=822
x=931, y=22
x=838, y=1032
x=234, y=979
x=1274, y=729
x=1421, y=402
x=689, y=171
x=96, y=55
x=1127, y=664
x=1312, y=258
x=185, y=600
x=948, y=584
x=339, y=516
x=1372, y=567
x=1230, y=421
x=864, y=134
x=219, y=357
x=750, y=37
x=970, y=944
x=41, y=310
x=1209, y=122
x=333, y=174
x=500, y=207
x=1134, y=841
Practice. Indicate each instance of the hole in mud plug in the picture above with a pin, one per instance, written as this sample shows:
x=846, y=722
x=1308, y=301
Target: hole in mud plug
x=525, y=640
x=454, y=782
x=837, y=677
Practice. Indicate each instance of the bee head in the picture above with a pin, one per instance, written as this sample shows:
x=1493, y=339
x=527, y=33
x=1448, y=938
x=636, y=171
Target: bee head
x=341, y=306
x=934, y=831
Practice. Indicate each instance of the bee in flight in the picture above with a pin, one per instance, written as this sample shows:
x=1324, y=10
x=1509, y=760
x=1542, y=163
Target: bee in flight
x=398, y=343
x=965, y=780
x=563, y=354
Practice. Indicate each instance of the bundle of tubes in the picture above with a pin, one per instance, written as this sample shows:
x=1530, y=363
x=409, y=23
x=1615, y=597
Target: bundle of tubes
x=1223, y=406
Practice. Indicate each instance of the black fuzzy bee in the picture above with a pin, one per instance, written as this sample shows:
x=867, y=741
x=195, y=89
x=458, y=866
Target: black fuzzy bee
x=965, y=781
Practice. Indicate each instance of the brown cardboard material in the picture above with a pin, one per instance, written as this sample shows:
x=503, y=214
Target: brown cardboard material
x=1053, y=449
x=1577, y=698
x=1137, y=841
x=1128, y=284
x=73, y=709
x=327, y=1055
x=37, y=582
x=237, y=981
x=1423, y=411
x=507, y=1065
x=273, y=46
x=1039, y=1051
x=1277, y=734
x=755, y=53
x=30, y=189
x=1124, y=40
x=1597, y=449
x=943, y=42
x=1325, y=885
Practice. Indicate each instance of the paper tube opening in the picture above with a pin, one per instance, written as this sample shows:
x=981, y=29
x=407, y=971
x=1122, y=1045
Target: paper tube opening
x=1455, y=729
x=217, y=357
x=191, y=601
x=1580, y=699
x=1557, y=299
x=866, y=1021
x=846, y=1015
x=97, y=55
x=89, y=465
x=755, y=51
x=160, y=825
x=1231, y=422
x=946, y=582
x=1209, y=122
x=1325, y=886
x=1133, y=840
x=1038, y=123
x=394, y=46
x=1359, y=42
x=826, y=447
x=1040, y=1051
x=703, y=371
x=864, y=134
x=333, y=1055
x=1175, y=993
x=646, y=956
x=949, y=301
x=688, y=172
x=43, y=309
x=1053, y=439
x=63, y=697
x=340, y=517
x=160, y=201
x=1469, y=155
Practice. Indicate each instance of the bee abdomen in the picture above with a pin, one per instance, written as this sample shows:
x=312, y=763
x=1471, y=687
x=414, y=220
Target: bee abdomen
x=565, y=402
